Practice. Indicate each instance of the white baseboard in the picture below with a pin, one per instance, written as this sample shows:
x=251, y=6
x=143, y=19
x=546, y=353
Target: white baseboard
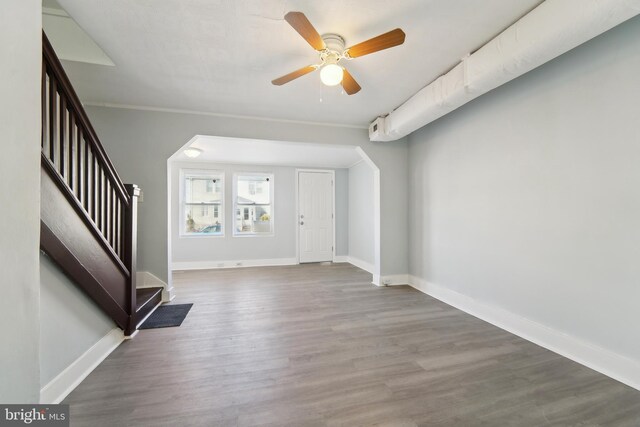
x=392, y=280
x=611, y=364
x=361, y=264
x=63, y=384
x=208, y=265
x=145, y=279
x=341, y=258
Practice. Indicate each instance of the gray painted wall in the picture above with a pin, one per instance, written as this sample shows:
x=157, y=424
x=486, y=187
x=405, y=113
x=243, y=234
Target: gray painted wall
x=342, y=212
x=21, y=50
x=140, y=142
x=528, y=198
x=70, y=323
x=228, y=248
x=361, y=224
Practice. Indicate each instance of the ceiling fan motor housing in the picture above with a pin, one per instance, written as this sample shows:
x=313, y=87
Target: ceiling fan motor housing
x=335, y=44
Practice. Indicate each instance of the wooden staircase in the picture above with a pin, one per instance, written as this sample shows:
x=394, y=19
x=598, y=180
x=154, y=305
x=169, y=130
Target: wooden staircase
x=147, y=299
x=88, y=217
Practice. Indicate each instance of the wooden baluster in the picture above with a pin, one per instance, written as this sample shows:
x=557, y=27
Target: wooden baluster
x=88, y=182
x=63, y=145
x=110, y=213
x=103, y=198
x=53, y=118
x=107, y=211
x=98, y=194
x=103, y=201
x=116, y=220
x=79, y=165
x=119, y=228
x=72, y=152
x=112, y=222
x=94, y=189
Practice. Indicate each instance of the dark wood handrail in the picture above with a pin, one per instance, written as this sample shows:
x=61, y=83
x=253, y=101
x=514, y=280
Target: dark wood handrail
x=54, y=67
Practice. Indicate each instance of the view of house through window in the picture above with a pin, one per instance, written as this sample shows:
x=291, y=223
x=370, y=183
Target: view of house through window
x=253, y=204
x=202, y=203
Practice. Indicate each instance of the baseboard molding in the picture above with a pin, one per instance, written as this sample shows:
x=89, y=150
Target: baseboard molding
x=145, y=279
x=341, y=258
x=208, y=265
x=393, y=280
x=63, y=384
x=611, y=364
x=361, y=264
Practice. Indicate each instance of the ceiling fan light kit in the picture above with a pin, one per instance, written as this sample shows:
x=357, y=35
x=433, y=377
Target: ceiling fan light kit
x=331, y=74
x=331, y=50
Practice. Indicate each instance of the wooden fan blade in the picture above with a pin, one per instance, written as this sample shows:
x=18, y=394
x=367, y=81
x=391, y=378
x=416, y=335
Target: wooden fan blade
x=349, y=84
x=381, y=42
x=301, y=24
x=292, y=76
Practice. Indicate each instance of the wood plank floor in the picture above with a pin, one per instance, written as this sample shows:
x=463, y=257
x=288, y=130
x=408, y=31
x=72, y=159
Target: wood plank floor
x=318, y=345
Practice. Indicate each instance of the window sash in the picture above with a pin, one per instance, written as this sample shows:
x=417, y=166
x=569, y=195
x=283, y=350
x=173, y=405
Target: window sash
x=199, y=205
x=202, y=203
x=254, y=186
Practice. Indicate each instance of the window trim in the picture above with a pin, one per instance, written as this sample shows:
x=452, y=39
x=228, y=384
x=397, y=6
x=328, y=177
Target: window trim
x=236, y=206
x=182, y=202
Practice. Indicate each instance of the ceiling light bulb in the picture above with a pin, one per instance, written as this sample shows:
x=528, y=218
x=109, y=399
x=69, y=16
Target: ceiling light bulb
x=331, y=74
x=192, y=152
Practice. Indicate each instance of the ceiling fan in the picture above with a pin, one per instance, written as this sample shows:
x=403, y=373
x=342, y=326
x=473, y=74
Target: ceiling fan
x=331, y=49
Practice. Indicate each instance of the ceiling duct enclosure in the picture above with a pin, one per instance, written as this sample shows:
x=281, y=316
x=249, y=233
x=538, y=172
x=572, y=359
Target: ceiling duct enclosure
x=548, y=31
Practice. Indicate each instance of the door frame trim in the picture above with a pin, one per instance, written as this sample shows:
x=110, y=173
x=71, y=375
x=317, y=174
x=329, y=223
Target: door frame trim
x=333, y=208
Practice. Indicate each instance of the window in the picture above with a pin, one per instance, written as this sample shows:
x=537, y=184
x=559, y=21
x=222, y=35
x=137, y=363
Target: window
x=253, y=198
x=202, y=203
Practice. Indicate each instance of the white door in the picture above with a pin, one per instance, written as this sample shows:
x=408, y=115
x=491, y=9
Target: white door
x=315, y=216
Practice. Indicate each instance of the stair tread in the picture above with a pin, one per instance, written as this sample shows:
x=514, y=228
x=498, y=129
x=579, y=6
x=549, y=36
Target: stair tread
x=144, y=295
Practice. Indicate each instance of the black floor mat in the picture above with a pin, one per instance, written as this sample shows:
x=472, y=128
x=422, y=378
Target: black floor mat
x=167, y=316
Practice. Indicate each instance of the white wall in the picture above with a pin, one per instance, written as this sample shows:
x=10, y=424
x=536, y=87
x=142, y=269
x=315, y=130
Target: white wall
x=70, y=322
x=210, y=251
x=528, y=198
x=139, y=142
x=21, y=53
x=361, y=223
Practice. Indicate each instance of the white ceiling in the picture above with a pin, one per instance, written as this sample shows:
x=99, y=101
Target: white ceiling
x=220, y=56
x=217, y=149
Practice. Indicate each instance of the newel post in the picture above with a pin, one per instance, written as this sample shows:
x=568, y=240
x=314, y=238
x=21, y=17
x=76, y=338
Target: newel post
x=130, y=253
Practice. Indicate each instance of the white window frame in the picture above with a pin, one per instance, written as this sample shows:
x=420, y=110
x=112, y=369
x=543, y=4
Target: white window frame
x=182, y=202
x=236, y=206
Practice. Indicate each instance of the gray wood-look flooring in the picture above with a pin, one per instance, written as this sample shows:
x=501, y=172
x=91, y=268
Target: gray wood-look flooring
x=318, y=345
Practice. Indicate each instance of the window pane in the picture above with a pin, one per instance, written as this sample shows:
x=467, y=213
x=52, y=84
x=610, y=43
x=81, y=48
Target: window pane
x=253, y=219
x=202, y=189
x=253, y=190
x=203, y=219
